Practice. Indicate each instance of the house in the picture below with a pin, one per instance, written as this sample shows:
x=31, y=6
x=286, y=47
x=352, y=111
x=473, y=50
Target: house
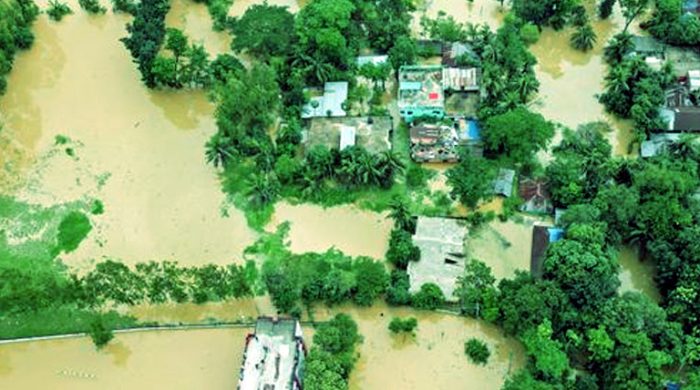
x=503, y=185
x=421, y=94
x=273, y=356
x=330, y=104
x=372, y=133
x=681, y=119
x=442, y=259
x=535, y=196
x=542, y=237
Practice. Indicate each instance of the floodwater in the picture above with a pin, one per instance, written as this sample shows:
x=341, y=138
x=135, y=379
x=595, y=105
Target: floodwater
x=140, y=152
x=487, y=12
x=315, y=229
x=236, y=310
x=503, y=246
x=433, y=359
x=174, y=359
x=637, y=275
x=193, y=18
x=571, y=79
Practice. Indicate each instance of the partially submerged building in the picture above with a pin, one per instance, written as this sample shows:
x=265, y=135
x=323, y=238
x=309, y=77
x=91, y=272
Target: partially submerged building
x=649, y=49
x=274, y=356
x=372, y=133
x=421, y=93
x=441, y=142
x=442, y=259
x=542, y=237
x=535, y=196
x=658, y=144
x=331, y=103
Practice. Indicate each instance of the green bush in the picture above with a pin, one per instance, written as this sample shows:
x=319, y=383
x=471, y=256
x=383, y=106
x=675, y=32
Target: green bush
x=401, y=249
x=92, y=6
x=398, y=325
x=72, y=230
x=430, y=297
x=58, y=10
x=477, y=351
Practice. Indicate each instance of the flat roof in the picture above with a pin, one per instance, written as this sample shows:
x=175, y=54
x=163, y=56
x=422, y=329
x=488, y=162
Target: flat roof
x=273, y=356
x=441, y=242
x=335, y=94
x=421, y=86
x=372, y=133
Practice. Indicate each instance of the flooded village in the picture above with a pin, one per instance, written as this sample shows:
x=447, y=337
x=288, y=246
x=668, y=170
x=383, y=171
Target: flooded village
x=79, y=130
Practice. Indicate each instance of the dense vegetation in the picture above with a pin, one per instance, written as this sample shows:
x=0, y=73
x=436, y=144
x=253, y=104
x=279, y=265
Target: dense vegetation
x=477, y=351
x=401, y=325
x=58, y=10
x=332, y=357
x=146, y=35
x=16, y=18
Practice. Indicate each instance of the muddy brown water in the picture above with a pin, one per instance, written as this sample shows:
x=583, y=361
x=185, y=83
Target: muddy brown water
x=434, y=358
x=636, y=274
x=503, y=246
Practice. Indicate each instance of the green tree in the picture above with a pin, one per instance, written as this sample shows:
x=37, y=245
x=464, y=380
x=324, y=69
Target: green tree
x=549, y=359
x=475, y=291
x=146, y=35
x=600, y=345
x=397, y=293
x=618, y=47
x=58, y=10
x=584, y=38
x=371, y=281
x=74, y=227
x=403, y=52
x=477, y=351
x=100, y=334
x=264, y=31
x=605, y=8
x=92, y=6
x=400, y=325
x=631, y=9
x=401, y=249
x=517, y=135
x=429, y=297
x=471, y=179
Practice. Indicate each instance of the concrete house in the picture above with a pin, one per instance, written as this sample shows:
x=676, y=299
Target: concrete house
x=421, y=93
x=273, y=356
x=372, y=133
x=330, y=104
x=442, y=259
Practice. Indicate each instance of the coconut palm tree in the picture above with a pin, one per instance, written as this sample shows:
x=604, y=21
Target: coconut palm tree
x=584, y=38
x=620, y=45
x=314, y=66
x=219, y=150
x=264, y=188
x=401, y=214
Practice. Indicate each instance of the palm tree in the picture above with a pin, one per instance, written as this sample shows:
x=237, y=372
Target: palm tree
x=401, y=214
x=527, y=84
x=584, y=38
x=617, y=49
x=264, y=188
x=219, y=150
x=389, y=164
x=315, y=66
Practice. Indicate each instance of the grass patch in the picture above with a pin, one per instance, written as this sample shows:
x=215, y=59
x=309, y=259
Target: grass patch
x=59, y=320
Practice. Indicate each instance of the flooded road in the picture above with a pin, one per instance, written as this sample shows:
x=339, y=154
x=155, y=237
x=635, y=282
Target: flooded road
x=140, y=152
x=315, y=229
x=191, y=359
x=637, y=275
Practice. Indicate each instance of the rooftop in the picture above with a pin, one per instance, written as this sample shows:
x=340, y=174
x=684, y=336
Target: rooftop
x=372, y=59
x=273, y=356
x=647, y=45
x=535, y=195
x=421, y=86
x=370, y=133
x=330, y=103
x=459, y=79
x=542, y=236
x=503, y=185
x=441, y=242
x=681, y=119
x=440, y=143
x=451, y=52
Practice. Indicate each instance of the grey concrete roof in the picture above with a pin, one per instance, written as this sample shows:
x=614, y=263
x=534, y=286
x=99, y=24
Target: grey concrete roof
x=441, y=242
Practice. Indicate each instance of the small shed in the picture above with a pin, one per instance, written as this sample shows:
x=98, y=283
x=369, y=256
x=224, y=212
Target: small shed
x=442, y=259
x=648, y=47
x=503, y=185
x=658, y=143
